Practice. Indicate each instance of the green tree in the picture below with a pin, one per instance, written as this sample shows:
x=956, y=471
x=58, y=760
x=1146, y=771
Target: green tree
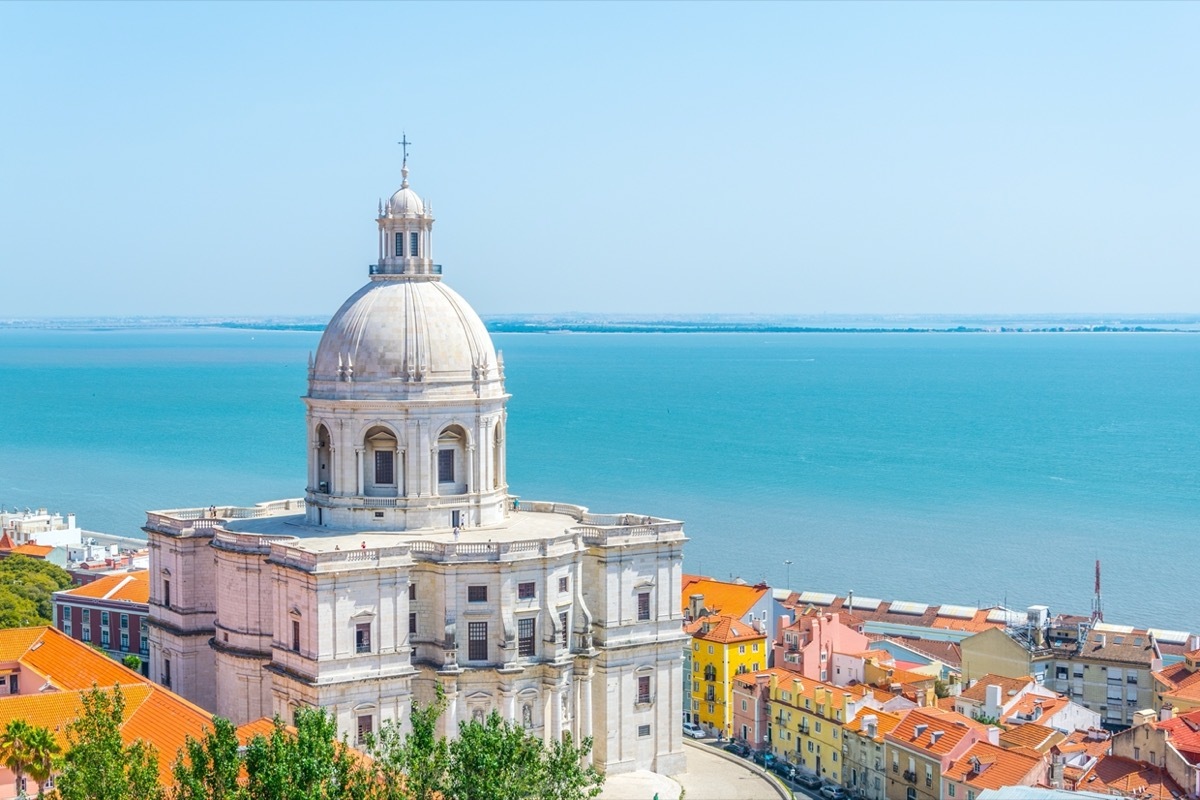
x=14, y=750
x=309, y=764
x=494, y=760
x=566, y=778
x=207, y=769
x=421, y=757
x=133, y=661
x=30, y=584
x=42, y=749
x=98, y=765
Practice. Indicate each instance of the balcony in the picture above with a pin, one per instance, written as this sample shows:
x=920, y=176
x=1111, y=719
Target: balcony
x=398, y=269
x=910, y=776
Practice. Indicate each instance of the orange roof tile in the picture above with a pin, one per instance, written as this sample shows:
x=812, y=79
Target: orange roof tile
x=1180, y=680
x=978, y=690
x=63, y=662
x=152, y=714
x=723, y=597
x=994, y=767
x=951, y=727
x=1037, y=737
x=6, y=542
x=129, y=587
x=1117, y=774
x=33, y=550
x=723, y=629
x=1184, y=733
x=886, y=722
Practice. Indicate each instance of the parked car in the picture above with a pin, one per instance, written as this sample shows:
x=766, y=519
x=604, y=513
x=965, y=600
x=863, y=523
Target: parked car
x=831, y=792
x=738, y=749
x=784, y=769
x=693, y=730
x=808, y=780
x=764, y=757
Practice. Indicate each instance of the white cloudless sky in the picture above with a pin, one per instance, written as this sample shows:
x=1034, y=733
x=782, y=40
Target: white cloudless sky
x=782, y=158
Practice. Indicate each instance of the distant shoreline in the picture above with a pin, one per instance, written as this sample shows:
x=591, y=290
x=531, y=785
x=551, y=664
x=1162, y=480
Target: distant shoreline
x=547, y=324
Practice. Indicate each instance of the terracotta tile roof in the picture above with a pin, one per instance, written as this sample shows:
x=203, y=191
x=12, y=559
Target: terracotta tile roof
x=749, y=679
x=1116, y=774
x=1027, y=705
x=724, y=630
x=907, y=677
x=6, y=542
x=951, y=728
x=263, y=726
x=993, y=767
x=886, y=722
x=33, y=550
x=723, y=597
x=152, y=714
x=129, y=587
x=1037, y=737
x=1180, y=680
x=978, y=691
x=1184, y=733
x=946, y=703
x=949, y=653
x=63, y=662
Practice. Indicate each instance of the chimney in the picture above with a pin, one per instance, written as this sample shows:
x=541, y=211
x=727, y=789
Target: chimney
x=993, y=735
x=991, y=706
x=871, y=725
x=1055, y=776
x=695, y=606
x=1167, y=712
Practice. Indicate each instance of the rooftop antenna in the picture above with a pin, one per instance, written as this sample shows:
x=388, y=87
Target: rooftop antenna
x=1097, y=604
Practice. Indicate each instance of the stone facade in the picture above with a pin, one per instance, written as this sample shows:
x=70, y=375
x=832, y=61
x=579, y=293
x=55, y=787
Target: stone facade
x=409, y=565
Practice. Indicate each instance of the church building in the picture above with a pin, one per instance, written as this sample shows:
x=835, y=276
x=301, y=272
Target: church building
x=409, y=564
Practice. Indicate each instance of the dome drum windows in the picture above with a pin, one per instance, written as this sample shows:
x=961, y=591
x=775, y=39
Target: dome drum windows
x=383, y=463
x=399, y=251
x=450, y=461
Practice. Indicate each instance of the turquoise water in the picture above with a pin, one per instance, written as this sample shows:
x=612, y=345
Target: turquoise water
x=934, y=467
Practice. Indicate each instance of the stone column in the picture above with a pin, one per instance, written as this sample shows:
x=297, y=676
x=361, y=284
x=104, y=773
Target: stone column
x=433, y=472
x=358, y=461
x=398, y=470
x=471, y=480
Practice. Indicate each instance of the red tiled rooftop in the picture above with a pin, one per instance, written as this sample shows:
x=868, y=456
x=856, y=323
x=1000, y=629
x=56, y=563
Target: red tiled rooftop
x=997, y=767
x=129, y=587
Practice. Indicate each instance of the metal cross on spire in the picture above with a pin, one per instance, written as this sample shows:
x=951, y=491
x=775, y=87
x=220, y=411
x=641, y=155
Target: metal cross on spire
x=404, y=142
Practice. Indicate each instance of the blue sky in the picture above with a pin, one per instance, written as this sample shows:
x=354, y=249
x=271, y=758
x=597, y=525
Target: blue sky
x=781, y=158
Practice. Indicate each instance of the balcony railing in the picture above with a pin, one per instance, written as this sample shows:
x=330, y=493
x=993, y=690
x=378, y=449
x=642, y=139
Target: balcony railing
x=910, y=776
x=398, y=269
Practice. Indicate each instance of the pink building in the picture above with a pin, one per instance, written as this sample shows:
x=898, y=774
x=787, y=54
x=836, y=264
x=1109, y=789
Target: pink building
x=751, y=707
x=807, y=644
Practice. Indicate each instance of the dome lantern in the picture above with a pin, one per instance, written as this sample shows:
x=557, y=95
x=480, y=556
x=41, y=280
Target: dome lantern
x=405, y=234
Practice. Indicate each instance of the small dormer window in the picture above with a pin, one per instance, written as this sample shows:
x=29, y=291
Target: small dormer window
x=399, y=244
x=414, y=244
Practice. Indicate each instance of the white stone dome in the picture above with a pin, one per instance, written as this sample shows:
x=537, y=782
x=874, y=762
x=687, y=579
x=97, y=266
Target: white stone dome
x=405, y=203
x=405, y=335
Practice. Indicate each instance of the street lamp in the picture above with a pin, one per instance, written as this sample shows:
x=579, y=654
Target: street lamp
x=788, y=563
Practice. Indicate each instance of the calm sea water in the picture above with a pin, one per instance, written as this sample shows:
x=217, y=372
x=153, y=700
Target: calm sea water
x=933, y=467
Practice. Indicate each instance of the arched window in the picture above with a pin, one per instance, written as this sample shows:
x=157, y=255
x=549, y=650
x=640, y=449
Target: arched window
x=324, y=457
x=452, y=461
x=384, y=472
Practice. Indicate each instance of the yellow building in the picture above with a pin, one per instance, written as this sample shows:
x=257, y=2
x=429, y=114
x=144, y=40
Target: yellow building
x=806, y=722
x=722, y=647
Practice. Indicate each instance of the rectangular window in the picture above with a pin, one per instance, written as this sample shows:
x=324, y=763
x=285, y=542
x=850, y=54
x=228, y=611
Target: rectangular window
x=125, y=622
x=67, y=628
x=362, y=637
x=66, y=612
x=399, y=244
x=414, y=244
x=166, y=674
x=950, y=790
x=87, y=634
x=412, y=591
x=365, y=728
x=564, y=628
x=14, y=684
x=643, y=689
x=643, y=731
x=385, y=472
x=476, y=594
x=412, y=622
x=104, y=618
x=446, y=465
x=526, y=591
x=87, y=612
x=564, y=585
x=166, y=598
x=477, y=646
x=525, y=643
x=104, y=641
x=124, y=640
x=296, y=636
x=643, y=606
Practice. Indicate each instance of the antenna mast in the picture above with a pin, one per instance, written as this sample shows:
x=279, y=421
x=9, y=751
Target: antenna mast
x=1097, y=604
